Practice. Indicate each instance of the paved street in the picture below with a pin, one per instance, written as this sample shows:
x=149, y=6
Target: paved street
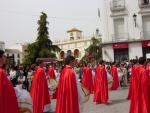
x=119, y=103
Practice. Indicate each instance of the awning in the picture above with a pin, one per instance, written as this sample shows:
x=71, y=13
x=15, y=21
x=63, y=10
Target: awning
x=146, y=44
x=120, y=45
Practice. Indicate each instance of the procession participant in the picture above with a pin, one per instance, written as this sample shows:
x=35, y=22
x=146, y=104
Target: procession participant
x=57, y=73
x=100, y=85
x=148, y=73
x=114, y=74
x=51, y=72
x=8, y=99
x=139, y=99
x=69, y=97
x=87, y=80
x=12, y=76
x=39, y=90
x=134, y=74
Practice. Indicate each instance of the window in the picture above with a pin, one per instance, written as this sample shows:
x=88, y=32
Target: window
x=18, y=55
x=79, y=38
x=146, y=27
x=71, y=38
x=71, y=34
x=119, y=29
x=144, y=2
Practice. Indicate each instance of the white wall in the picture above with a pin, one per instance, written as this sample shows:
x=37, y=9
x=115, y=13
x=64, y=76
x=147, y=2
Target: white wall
x=107, y=28
x=135, y=49
x=108, y=53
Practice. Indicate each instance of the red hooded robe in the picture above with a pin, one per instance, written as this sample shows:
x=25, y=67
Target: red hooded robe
x=139, y=99
x=100, y=85
x=148, y=73
x=87, y=80
x=114, y=73
x=132, y=86
x=51, y=72
x=8, y=99
x=39, y=91
x=67, y=95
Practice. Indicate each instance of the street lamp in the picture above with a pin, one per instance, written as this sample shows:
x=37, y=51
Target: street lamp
x=134, y=18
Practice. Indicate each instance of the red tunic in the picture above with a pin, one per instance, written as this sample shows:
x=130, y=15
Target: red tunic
x=100, y=85
x=67, y=95
x=139, y=99
x=51, y=72
x=148, y=73
x=132, y=86
x=8, y=99
x=114, y=73
x=39, y=91
x=87, y=80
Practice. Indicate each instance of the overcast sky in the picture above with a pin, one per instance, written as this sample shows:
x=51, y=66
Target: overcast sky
x=18, y=18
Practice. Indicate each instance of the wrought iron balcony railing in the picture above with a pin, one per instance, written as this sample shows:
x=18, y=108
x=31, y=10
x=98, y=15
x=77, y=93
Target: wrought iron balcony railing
x=120, y=37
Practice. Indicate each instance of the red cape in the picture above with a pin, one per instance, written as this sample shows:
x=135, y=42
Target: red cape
x=100, y=85
x=51, y=72
x=148, y=73
x=139, y=99
x=67, y=95
x=114, y=73
x=132, y=86
x=8, y=99
x=39, y=91
x=87, y=80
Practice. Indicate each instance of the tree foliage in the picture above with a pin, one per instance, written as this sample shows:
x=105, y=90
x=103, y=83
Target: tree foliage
x=43, y=46
x=93, y=52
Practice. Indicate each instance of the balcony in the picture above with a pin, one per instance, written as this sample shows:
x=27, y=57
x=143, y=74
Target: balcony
x=145, y=35
x=120, y=37
x=117, y=5
x=144, y=3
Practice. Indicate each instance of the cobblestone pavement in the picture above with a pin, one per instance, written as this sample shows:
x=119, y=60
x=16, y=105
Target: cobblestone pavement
x=119, y=104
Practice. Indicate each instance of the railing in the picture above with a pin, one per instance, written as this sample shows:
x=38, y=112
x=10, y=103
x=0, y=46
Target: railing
x=145, y=34
x=144, y=3
x=120, y=37
x=117, y=5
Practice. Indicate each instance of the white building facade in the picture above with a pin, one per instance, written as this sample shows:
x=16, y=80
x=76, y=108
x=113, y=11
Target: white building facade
x=2, y=45
x=17, y=52
x=125, y=29
x=74, y=45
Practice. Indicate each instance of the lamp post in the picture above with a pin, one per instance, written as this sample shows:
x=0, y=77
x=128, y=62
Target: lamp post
x=134, y=18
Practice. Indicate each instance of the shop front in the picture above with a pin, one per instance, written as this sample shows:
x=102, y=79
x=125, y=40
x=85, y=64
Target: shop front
x=146, y=48
x=121, y=51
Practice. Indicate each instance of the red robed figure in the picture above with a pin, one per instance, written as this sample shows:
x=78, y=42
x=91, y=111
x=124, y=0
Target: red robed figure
x=100, y=85
x=51, y=72
x=67, y=94
x=148, y=73
x=87, y=80
x=139, y=99
x=114, y=73
x=39, y=91
x=8, y=99
x=132, y=86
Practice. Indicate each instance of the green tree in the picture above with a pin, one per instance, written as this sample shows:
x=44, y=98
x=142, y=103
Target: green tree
x=93, y=52
x=43, y=46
